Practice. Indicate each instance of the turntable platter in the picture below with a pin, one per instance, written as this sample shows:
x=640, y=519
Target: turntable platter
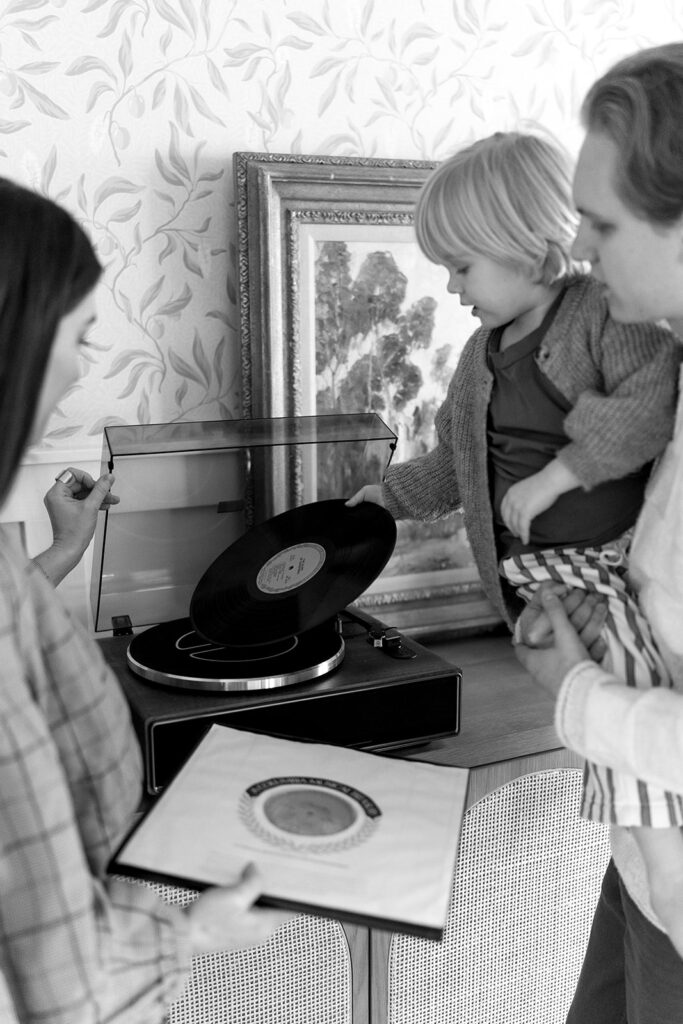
x=174, y=654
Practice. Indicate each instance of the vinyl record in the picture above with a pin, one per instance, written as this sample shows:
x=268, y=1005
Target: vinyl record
x=172, y=654
x=292, y=572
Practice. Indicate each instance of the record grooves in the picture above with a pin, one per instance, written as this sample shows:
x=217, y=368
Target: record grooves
x=264, y=614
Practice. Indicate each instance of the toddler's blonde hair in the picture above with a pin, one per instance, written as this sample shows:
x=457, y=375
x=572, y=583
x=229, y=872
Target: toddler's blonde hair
x=507, y=197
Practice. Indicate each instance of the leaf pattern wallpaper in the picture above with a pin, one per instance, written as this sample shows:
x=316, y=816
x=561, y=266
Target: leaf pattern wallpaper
x=128, y=112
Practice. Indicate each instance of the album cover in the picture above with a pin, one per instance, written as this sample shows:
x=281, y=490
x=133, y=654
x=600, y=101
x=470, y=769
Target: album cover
x=341, y=833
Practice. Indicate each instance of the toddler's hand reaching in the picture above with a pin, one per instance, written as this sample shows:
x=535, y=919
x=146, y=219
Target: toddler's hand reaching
x=371, y=492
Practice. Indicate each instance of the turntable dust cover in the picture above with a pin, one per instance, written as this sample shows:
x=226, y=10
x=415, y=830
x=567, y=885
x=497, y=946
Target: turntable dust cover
x=333, y=831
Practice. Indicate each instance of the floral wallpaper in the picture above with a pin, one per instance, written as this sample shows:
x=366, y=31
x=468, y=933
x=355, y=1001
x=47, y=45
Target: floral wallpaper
x=128, y=111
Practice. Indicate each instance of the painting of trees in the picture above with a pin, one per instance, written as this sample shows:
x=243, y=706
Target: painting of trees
x=368, y=339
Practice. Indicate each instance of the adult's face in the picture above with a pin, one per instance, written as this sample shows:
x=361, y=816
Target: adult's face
x=64, y=366
x=639, y=262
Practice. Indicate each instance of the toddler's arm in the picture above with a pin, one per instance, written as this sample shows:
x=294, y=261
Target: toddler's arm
x=528, y=498
x=625, y=421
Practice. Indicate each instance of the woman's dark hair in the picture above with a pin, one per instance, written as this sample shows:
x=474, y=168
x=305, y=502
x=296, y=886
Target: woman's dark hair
x=638, y=104
x=47, y=267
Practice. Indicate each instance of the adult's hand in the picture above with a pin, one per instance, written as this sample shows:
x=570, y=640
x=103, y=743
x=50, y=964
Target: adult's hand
x=550, y=664
x=586, y=612
x=226, y=918
x=72, y=504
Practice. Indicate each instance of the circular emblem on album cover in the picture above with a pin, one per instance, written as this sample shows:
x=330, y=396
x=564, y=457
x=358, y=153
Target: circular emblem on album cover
x=307, y=813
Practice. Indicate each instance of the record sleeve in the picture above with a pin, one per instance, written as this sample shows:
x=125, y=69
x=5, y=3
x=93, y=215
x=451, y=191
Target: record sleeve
x=333, y=831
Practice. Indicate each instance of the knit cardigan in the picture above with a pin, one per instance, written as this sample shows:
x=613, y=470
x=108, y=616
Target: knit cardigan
x=621, y=381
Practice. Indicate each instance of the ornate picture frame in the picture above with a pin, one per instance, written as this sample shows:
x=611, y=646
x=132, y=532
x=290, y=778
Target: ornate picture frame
x=304, y=222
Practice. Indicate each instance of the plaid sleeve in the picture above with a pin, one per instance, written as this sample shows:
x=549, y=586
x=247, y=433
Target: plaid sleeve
x=7, y=1012
x=74, y=947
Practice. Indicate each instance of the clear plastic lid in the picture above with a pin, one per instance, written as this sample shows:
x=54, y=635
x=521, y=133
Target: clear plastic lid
x=189, y=490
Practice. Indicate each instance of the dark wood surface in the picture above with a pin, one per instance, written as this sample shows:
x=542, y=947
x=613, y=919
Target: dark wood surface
x=504, y=714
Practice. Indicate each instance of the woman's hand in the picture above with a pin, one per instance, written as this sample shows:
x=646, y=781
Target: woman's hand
x=72, y=504
x=562, y=647
x=226, y=918
x=371, y=492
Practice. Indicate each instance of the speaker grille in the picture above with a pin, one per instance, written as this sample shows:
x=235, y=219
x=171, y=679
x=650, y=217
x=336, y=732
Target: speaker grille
x=301, y=974
x=528, y=878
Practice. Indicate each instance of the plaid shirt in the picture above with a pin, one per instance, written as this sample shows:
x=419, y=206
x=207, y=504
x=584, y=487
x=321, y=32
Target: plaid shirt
x=75, y=946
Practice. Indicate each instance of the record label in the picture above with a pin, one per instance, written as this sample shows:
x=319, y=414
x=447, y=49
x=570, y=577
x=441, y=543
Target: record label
x=290, y=568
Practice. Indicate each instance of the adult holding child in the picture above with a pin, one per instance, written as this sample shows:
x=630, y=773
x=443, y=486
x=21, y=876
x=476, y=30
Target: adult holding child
x=547, y=435
x=628, y=190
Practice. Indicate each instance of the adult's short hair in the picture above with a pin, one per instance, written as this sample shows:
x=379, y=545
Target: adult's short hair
x=638, y=104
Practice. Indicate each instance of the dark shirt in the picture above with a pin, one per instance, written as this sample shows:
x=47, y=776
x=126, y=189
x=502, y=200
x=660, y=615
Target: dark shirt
x=525, y=432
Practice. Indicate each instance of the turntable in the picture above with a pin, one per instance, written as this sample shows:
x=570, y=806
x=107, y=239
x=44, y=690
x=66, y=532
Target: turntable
x=264, y=612
x=245, y=579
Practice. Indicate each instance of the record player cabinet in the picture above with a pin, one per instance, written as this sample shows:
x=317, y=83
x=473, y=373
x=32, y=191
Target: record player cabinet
x=372, y=701
x=188, y=492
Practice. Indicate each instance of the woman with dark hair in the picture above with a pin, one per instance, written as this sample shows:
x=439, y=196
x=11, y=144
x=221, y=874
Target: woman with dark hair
x=628, y=190
x=39, y=285
x=55, y=287
x=75, y=945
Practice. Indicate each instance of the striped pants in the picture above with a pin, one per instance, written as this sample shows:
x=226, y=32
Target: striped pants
x=610, y=797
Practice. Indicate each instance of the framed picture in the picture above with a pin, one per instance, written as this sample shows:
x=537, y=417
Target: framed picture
x=340, y=312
